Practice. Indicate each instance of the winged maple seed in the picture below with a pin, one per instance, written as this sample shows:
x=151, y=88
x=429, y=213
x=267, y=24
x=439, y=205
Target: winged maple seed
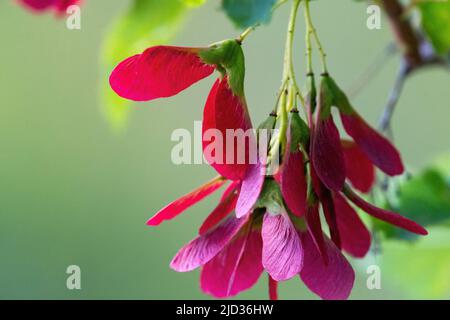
x=262, y=222
x=59, y=6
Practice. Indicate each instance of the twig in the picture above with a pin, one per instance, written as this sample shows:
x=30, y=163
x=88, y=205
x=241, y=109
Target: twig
x=403, y=30
x=372, y=70
x=247, y=32
x=418, y=54
x=388, y=112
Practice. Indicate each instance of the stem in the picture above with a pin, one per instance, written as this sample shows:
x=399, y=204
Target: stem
x=308, y=43
x=289, y=88
x=280, y=93
x=311, y=30
x=284, y=121
x=386, y=118
x=273, y=289
x=281, y=138
x=247, y=32
x=289, y=72
x=290, y=39
x=292, y=101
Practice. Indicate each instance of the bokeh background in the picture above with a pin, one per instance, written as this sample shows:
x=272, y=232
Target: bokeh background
x=74, y=190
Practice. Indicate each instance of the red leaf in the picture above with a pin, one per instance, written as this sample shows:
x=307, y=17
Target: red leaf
x=315, y=230
x=178, y=206
x=203, y=248
x=159, y=72
x=325, y=199
x=225, y=207
x=251, y=188
x=235, y=269
x=38, y=5
x=282, y=249
x=332, y=281
x=225, y=116
x=385, y=215
x=60, y=6
x=330, y=216
x=355, y=238
x=327, y=156
x=360, y=170
x=382, y=153
x=293, y=182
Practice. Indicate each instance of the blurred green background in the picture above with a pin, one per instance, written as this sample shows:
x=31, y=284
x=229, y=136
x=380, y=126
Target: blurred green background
x=75, y=191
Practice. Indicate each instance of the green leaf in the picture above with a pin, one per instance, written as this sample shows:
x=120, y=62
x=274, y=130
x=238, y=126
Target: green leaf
x=442, y=164
x=246, y=13
x=115, y=108
x=271, y=198
x=425, y=198
x=436, y=24
x=421, y=269
x=193, y=3
x=147, y=23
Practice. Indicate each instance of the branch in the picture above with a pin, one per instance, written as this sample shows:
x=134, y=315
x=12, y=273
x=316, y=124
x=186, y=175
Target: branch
x=388, y=112
x=404, y=32
x=418, y=54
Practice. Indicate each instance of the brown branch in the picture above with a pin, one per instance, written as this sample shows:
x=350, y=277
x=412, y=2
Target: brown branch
x=404, y=32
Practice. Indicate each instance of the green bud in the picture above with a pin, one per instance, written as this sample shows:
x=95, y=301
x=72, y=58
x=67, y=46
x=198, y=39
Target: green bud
x=271, y=197
x=326, y=97
x=339, y=98
x=229, y=59
x=311, y=99
x=300, y=134
x=268, y=125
